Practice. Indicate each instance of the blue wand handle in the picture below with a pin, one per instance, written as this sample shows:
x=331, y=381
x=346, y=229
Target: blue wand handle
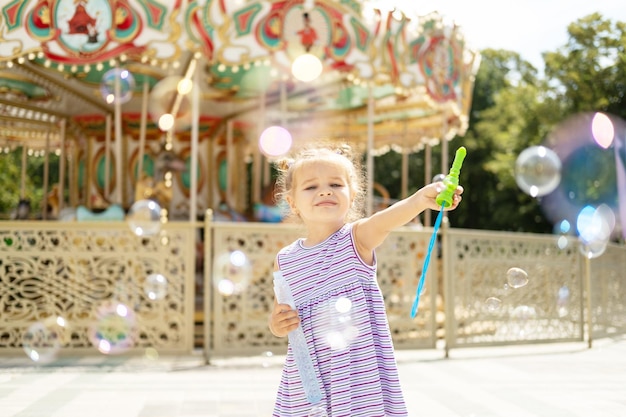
x=420, y=286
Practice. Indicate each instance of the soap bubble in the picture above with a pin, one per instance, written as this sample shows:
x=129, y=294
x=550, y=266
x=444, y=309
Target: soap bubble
x=144, y=218
x=562, y=302
x=232, y=272
x=438, y=178
x=595, y=224
x=42, y=340
x=114, y=328
x=126, y=85
x=155, y=286
x=602, y=130
x=537, y=171
x=592, y=249
x=588, y=171
x=163, y=96
x=266, y=358
x=342, y=330
x=524, y=313
x=516, y=277
x=306, y=67
x=275, y=141
x=318, y=411
x=493, y=303
x=594, y=229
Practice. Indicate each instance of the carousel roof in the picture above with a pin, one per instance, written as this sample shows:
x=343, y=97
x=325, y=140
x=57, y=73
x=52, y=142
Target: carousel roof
x=409, y=76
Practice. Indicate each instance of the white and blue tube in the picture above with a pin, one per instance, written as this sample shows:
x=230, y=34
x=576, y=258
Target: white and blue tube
x=304, y=363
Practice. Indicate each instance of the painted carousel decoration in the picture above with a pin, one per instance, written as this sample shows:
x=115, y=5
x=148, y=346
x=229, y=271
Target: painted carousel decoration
x=124, y=85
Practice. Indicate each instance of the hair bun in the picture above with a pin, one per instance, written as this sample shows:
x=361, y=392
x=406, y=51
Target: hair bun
x=284, y=164
x=344, y=149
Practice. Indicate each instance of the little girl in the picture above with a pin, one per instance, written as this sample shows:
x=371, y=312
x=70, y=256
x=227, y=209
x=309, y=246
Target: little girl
x=332, y=276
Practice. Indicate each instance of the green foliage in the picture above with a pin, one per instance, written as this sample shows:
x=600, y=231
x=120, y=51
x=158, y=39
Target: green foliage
x=11, y=180
x=589, y=72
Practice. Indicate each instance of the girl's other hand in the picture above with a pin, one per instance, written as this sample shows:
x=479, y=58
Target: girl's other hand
x=283, y=320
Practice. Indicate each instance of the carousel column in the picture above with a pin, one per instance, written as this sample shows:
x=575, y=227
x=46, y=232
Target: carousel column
x=88, y=172
x=428, y=174
x=119, y=192
x=370, y=147
x=258, y=161
x=231, y=200
x=46, y=175
x=71, y=173
x=195, y=127
x=405, y=164
x=107, y=154
x=62, y=165
x=142, y=132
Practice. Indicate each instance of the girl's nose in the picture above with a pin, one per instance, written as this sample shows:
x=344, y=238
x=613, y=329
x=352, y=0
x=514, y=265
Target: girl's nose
x=325, y=192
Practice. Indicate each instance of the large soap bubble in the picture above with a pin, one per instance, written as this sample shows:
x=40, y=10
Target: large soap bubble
x=537, y=171
x=587, y=145
x=126, y=85
x=42, y=340
x=307, y=67
x=275, y=141
x=114, y=328
x=144, y=218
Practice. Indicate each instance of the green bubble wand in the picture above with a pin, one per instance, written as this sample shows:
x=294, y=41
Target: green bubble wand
x=444, y=199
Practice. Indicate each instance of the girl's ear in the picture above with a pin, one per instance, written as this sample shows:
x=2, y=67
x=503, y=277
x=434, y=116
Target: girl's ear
x=290, y=201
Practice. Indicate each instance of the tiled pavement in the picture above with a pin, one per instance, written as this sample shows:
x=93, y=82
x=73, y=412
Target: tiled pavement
x=562, y=380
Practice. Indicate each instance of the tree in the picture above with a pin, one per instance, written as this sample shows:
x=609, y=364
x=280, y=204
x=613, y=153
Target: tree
x=503, y=122
x=589, y=72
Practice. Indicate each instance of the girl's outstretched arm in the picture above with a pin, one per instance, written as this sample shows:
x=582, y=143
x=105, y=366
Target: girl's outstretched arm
x=371, y=231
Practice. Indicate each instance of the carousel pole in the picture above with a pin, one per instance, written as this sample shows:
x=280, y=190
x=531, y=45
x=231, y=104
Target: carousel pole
x=195, y=127
x=370, y=147
x=71, y=173
x=230, y=164
x=46, y=175
x=62, y=165
x=142, y=130
x=118, y=142
x=428, y=174
x=107, y=152
x=257, y=161
x=444, y=157
x=405, y=163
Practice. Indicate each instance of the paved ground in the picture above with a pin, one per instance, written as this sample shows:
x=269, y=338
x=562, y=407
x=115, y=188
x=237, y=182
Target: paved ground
x=564, y=380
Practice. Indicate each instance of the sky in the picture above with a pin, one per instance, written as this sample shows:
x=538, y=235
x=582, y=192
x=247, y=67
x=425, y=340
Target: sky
x=528, y=27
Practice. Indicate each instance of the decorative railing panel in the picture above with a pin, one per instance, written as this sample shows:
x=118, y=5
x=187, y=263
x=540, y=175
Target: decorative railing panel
x=98, y=280
x=487, y=309
x=608, y=289
x=242, y=296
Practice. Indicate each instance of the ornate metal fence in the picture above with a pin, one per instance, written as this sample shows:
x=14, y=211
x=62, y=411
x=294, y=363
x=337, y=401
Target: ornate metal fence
x=81, y=286
x=484, y=304
x=83, y=272
x=239, y=289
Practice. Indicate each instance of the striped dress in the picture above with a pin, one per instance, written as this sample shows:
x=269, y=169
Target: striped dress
x=343, y=317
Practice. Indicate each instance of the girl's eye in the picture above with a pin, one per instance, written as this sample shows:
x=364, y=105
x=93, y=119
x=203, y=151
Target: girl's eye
x=336, y=185
x=311, y=187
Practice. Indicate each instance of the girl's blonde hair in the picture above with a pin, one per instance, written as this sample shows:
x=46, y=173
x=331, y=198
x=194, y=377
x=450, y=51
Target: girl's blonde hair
x=341, y=154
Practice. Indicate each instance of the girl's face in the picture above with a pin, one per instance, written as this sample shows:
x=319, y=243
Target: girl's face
x=321, y=192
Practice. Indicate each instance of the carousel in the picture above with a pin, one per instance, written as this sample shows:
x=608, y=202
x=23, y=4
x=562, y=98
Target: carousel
x=188, y=102
x=182, y=107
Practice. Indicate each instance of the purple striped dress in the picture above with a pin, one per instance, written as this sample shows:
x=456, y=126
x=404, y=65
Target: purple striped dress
x=343, y=317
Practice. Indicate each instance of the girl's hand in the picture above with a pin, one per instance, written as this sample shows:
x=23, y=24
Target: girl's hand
x=431, y=191
x=283, y=319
